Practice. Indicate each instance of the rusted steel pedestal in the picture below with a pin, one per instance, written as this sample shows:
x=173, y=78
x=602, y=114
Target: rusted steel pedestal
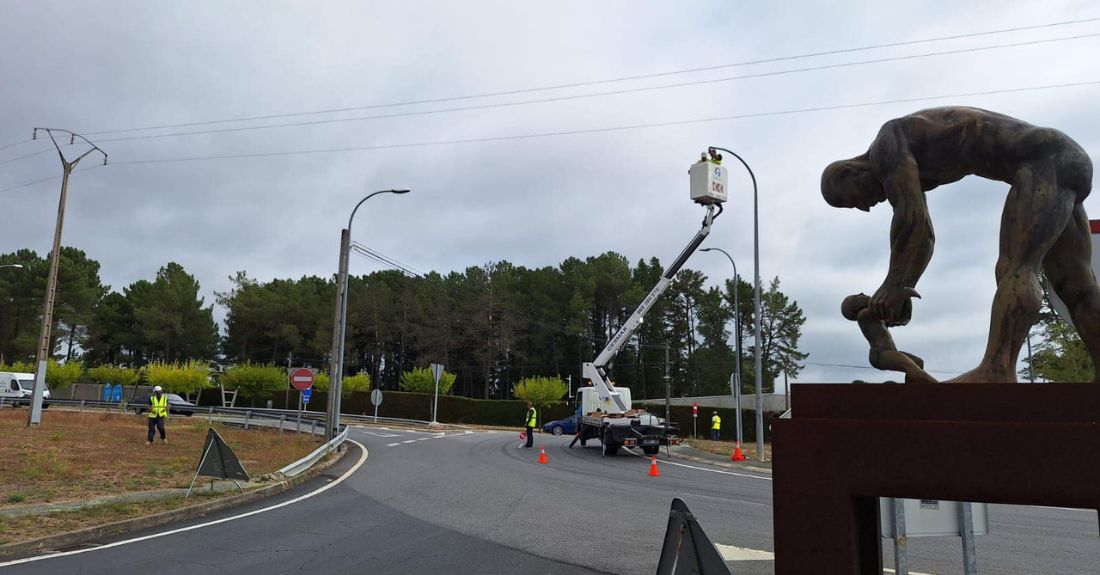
x=847, y=445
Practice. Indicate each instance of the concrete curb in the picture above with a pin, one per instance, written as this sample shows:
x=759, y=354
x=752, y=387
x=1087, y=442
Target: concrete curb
x=74, y=538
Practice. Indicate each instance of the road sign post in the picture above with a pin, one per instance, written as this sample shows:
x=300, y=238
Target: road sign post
x=437, y=372
x=301, y=379
x=376, y=399
x=694, y=419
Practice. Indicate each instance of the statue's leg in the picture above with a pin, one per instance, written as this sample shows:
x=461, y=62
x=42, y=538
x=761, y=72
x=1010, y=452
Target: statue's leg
x=1034, y=216
x=1068, y=266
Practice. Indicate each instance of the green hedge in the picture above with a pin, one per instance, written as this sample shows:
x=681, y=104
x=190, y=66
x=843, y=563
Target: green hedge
x=452, y=409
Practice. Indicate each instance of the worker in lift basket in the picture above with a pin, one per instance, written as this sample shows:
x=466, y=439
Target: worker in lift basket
x=532, y=418
x=715, y=426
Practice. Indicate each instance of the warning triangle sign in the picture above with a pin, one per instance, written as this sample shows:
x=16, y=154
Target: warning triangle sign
x=687, y=550
x=218, y=460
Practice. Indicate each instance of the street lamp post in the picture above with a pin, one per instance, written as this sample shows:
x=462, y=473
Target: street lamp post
x=735, y=388
x=756, y=306
x=34, y=417
x=336, y=363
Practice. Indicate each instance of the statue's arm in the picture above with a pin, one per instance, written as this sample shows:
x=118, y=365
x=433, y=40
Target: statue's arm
x=911, y=236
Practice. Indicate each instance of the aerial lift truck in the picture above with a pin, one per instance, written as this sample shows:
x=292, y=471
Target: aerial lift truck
x=604, y=410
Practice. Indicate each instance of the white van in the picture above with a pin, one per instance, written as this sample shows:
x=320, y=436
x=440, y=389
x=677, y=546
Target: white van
x=18, y=389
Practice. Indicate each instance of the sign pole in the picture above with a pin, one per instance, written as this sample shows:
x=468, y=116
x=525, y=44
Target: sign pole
x=437, y=372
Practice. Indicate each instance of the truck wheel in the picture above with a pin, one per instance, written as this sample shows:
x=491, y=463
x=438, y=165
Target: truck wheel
x=610, y=448
x=651, y=449
x=584, y=441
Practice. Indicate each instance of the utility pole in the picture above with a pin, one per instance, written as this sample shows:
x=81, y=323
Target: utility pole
x=35, y=416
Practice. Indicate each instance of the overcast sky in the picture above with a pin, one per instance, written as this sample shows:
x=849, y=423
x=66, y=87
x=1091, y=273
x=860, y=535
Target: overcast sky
x=534, y=200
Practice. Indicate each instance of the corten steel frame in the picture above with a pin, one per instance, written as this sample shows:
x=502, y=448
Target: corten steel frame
x=847, y=445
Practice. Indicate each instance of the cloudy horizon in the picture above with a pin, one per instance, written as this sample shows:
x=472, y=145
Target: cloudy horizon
x=527, y=132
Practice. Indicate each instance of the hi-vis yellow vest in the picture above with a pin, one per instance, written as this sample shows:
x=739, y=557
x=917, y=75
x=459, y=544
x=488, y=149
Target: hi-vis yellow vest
x=716, y=422
x=532, y=417
x=159, y=407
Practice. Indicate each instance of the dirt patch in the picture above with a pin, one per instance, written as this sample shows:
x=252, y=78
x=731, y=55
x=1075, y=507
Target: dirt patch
x=77, y=455
x=725, y=448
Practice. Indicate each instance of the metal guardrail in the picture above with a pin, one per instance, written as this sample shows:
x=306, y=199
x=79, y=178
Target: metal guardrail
x=307, y=461
x=248, y=413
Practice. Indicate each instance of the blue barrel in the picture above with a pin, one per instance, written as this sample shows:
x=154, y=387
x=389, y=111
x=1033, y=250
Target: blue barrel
x=116, y=393
x=106, y=395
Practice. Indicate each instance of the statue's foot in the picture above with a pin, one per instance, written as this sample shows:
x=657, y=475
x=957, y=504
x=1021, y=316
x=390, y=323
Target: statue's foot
x=982, y=374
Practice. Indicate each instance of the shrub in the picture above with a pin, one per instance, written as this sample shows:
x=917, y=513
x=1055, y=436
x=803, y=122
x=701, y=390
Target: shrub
x=421, y=380
x=114, y=374
x=255, y=380
x=186, y=377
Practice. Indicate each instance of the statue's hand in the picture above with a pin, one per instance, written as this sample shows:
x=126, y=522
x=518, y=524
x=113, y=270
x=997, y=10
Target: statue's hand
x=890, y=304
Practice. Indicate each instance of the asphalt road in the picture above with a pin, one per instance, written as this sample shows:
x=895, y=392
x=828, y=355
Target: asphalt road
x=467, y=503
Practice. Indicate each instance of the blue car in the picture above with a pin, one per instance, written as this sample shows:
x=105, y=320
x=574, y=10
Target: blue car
x=561, y=426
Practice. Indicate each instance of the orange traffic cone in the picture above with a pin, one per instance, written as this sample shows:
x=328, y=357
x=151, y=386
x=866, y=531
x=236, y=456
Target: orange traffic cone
x=542, y=455
x=737, y=453
x=653, y=472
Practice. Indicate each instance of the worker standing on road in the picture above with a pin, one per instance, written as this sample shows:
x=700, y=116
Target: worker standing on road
x=715, y=426
x=158, y=414
x=532, y=418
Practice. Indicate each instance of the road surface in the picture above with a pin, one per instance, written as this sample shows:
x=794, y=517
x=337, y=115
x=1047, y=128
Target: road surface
x=474, y=502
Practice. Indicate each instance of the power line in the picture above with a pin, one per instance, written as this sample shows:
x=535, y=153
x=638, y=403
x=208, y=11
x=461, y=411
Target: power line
x=607, y=129
x=14, y=144
x=581, y=131
x=601, y=94
x=24, y=156
x=594, y=82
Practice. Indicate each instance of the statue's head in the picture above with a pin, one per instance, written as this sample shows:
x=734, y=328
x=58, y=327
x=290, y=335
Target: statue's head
x=850, y=184
x=853, y=304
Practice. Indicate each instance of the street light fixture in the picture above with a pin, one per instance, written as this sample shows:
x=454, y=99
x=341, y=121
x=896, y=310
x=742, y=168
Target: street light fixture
x=756, y=306
x=336, y=365
x=735, y=388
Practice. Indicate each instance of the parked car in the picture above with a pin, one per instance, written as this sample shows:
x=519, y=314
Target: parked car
x=561, y=426
x=18, y=389
x=176, y=405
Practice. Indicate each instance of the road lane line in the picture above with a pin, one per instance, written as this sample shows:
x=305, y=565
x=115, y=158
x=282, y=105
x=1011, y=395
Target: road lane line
x=393, y=444
x=731, y=553
x=423, y=438
x=670, y=462
x=409, y=441
x=318, y=491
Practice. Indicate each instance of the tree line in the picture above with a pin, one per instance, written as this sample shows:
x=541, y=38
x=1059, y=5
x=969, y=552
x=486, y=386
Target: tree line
x=492, y=326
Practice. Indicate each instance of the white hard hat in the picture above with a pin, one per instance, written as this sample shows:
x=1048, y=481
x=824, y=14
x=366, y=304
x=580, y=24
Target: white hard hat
x=157, y=389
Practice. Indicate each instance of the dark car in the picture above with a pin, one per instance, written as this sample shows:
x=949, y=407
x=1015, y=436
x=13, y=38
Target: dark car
x=561, y=426
x=176, y=405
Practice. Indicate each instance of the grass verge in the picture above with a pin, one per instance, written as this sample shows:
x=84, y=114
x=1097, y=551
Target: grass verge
x=725, y=448
x=73, y=456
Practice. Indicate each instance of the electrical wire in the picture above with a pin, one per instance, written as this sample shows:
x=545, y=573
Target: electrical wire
x=599, y=94
x=595, y=82
x=575, y=132
x=602, y=130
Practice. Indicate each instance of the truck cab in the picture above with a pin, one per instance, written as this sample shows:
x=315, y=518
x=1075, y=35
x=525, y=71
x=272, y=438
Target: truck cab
x=18, y=388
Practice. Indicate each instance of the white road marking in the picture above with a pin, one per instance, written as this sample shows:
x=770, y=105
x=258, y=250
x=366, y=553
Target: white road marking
x=731, y=553
x=409, y=441
x=669, y=462
x=423, y=438
x=318, y=491
x=393, y=444
x=381, y=434
x=889, y=570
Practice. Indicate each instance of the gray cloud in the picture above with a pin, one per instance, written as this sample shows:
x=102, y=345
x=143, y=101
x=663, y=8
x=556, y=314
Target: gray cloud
x=531, y=201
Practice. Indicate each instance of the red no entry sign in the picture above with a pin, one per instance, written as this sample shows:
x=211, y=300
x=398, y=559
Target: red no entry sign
x=301, y=379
